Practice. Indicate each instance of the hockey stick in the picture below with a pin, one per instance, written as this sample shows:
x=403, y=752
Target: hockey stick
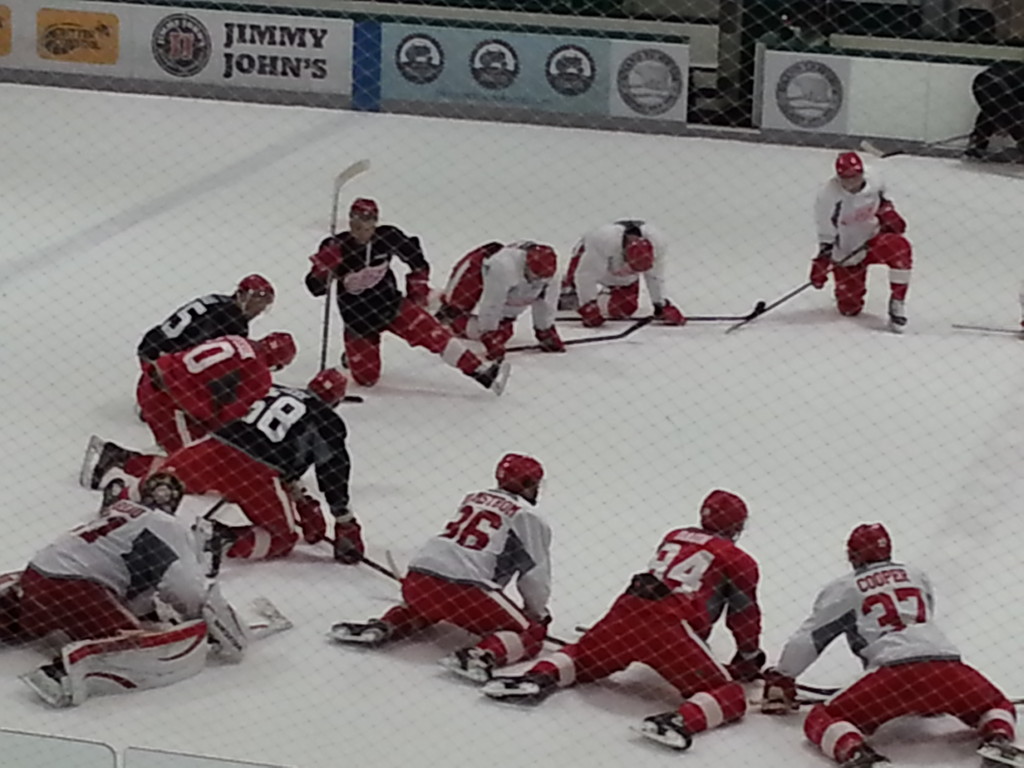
x=689, y=319
x=761, y=309
x=873, y=149
x=358, y=167
x=990, y=329
x=636, y=326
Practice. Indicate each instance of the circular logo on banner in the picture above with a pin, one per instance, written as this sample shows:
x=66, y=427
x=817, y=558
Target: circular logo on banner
x=570, y=70
x=809, y=94
x=494, y=64
x=420, y=59
x=181, y=45
x=650, y=82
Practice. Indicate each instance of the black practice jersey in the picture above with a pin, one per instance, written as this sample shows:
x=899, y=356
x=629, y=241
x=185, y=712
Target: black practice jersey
x=368, y=294
x=290, y=430
x=205, y=318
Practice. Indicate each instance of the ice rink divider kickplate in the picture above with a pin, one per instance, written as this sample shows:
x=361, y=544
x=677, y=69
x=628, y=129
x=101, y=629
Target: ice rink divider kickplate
x=140, y=757
x=19, y=749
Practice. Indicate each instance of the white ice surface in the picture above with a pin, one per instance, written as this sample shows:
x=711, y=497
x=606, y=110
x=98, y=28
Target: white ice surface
x=118, y=208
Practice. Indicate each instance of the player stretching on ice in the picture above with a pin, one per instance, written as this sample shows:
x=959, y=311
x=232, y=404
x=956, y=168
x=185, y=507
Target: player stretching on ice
x=663, y=620
x=458, y=577
x=886, y=611
x=859, y=226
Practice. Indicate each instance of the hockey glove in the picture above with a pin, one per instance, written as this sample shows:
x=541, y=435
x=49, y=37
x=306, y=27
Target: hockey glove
x=494, y=343
x=591, y=315
x=348, y=542
x=890, y=220
x=549, y=339
x=669, y=314
x=779, y=694
x=746, y=667
x=326, y=260
x=311, y=519
x=417, y=287
x=819, y=269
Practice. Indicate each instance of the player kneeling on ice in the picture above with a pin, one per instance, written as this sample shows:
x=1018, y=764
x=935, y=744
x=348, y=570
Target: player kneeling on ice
x=257, y=462
x=94, y=589
x=613, y=257
x=370, y=303
x=457, y=577
x=859, y=226
x=885, y=609
x=663, y=620
x=491, y=286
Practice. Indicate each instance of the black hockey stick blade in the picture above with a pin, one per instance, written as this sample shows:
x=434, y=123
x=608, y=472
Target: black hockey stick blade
x=352, y=399
x=990, y=329
x=636, y=326
x=689, y=319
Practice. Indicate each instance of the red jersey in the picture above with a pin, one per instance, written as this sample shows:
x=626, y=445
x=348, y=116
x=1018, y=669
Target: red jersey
x=708, y=574
x=215, y=382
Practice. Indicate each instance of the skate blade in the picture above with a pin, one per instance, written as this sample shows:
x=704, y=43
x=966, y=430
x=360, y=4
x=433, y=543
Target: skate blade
x=496, y=689
x=670, y=739
x=89, y=462
x=478, y=675
x=501, y=380
x=1004, y=755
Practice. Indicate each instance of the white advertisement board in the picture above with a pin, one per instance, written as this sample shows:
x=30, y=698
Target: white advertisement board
x=804, y=92
x=649, y=80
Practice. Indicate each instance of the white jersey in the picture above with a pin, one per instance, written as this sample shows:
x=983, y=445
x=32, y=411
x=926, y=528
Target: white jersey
x=847, y=220
x=507, y=291
x=136, y=552
x=496, y=535
x=886, y=612
x=603, y=261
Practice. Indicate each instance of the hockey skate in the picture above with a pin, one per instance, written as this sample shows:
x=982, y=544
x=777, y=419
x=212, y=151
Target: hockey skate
x=470, y=663
x=527, y=688
x=667, y=728
x=373, y=633
x=495, y=376
x=864, y=757
x=100, y=457
x=51, y=683
x=999, y=751
x=897, y=316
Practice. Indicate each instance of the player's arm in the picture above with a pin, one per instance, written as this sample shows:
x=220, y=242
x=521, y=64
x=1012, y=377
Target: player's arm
x=499, y=277
x=417, y=281
x=833, y=614
x=590, y=269
x=654, y=278
x=743, y=616
x=826, y=211
x=324, y=265
x=534, y=581
x=332, y=463
x=545, y=306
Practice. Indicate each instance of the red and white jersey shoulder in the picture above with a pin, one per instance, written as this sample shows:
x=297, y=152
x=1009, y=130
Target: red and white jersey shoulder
x=495, y=535
x=709, y=575
x=602, y=261
x=507, y=291
x=886, y=612
x=847, y=220
x=134, y=551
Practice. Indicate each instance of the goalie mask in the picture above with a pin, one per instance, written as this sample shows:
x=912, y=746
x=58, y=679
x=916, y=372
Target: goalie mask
x=161, y=491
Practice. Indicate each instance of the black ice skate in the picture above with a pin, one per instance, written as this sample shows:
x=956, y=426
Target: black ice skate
x=526, y=689
x=495, y=376
x=101, y=457
x=864, y=757
x=897, y=316
x=667, y=728
x=373, y=633
x=999, y=751
x=471, y=663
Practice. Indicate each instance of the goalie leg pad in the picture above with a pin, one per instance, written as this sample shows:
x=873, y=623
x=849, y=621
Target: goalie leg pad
x=228, y=636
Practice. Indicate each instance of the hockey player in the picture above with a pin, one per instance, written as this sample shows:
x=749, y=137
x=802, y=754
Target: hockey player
x=614, y=256
x=370, y=303
x=257, y=462
x=458, y=576
x=999, y=92
x=187, y=394
x=859, y=226
x=208, y=317
x=886, y=611
x=491, y=286
x=96, y=586
x=663, y=620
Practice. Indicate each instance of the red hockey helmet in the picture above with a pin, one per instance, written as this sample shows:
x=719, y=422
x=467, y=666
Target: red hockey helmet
x=257, y=285
x=329, y=385
x=640, y=255
x=723, y=513
x=364, y=208
x=519, y=474
x=542, y=261
x=278, y=349
x=868, y=543
x=849, y=165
